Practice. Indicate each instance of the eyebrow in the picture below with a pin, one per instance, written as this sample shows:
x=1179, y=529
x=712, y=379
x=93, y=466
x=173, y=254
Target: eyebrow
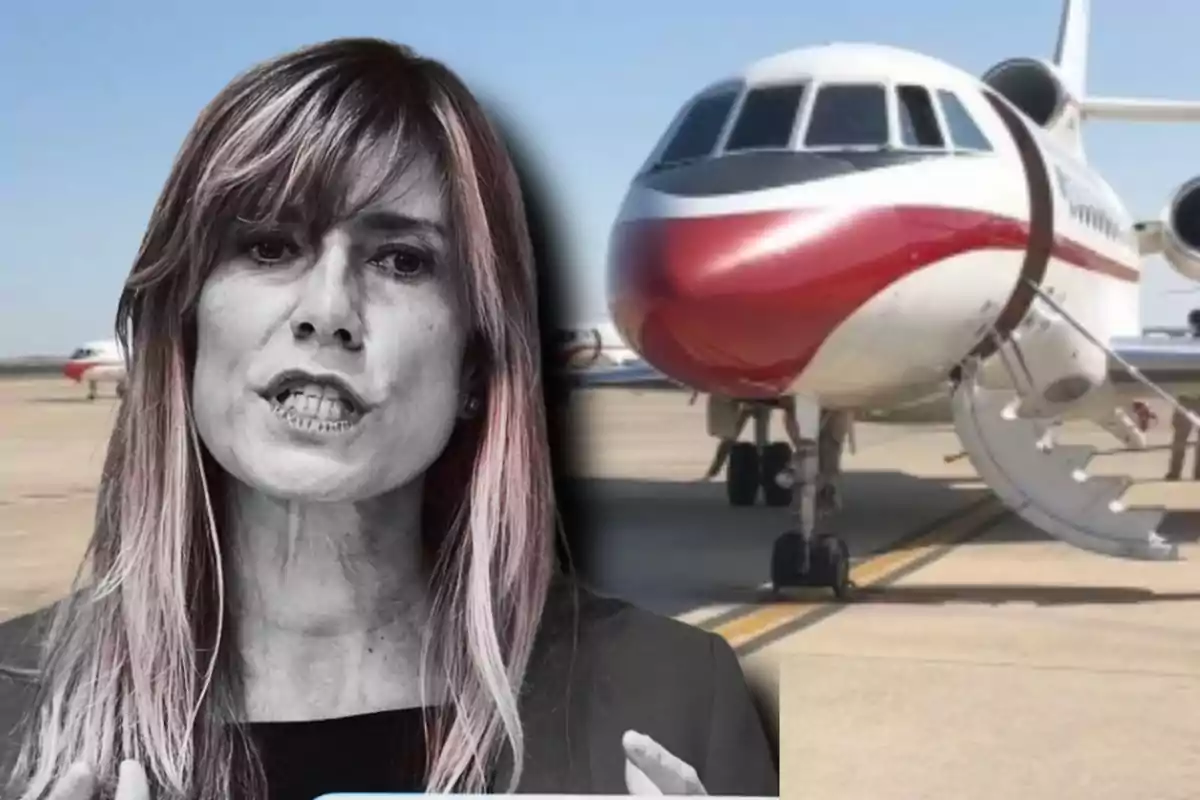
x=392, y=223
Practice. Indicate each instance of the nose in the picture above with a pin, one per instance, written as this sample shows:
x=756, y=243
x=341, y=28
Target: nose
x=739, y=304
x=328, y=312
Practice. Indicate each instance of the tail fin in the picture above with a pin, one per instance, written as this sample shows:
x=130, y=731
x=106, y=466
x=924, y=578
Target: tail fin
x=1071, y=53
x=1071, y=59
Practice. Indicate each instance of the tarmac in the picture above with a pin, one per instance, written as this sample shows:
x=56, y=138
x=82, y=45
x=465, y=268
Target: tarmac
x=978, y=658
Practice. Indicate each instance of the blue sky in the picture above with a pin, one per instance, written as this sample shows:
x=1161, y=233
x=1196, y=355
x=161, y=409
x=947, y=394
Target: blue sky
x=97, y=97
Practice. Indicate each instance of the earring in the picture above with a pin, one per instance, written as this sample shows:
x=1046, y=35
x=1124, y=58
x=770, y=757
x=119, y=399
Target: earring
x=470, y=407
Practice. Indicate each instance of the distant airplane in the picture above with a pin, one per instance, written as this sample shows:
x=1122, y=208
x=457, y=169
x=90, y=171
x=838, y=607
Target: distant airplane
x=95, y=363
x=851, y=227
x=599, y=344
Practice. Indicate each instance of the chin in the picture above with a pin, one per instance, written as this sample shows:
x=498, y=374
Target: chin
x=281, y=460
x=310, y=476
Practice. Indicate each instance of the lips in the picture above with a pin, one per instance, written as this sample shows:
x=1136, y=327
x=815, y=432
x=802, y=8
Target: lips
x=323, y=399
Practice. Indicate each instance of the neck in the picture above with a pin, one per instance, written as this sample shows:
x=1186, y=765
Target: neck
x=329, y=601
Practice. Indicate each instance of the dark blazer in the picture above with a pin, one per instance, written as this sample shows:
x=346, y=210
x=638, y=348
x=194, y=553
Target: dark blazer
x=600, y=667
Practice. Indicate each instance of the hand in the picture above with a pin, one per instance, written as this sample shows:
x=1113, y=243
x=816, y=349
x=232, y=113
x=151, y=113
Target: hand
x=80, y=783
x=651, y=770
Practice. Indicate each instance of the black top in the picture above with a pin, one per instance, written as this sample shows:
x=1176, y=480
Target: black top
x=380, y=752
x=600, y=667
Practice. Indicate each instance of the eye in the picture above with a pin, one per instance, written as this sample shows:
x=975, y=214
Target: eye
x=269, y=248
x=404, y=262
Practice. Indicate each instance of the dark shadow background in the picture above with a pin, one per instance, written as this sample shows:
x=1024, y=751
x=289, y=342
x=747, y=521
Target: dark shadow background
x=549, y=231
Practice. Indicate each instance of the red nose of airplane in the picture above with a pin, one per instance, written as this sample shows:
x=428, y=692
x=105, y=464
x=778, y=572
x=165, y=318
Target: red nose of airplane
x=74, y=370
x=739, y=304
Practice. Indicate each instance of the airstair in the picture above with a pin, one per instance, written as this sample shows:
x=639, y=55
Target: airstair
x=1048, y=484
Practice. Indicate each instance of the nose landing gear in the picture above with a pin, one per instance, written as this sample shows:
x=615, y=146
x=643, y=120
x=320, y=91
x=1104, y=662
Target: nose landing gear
x=801, y=472
x=805, y=557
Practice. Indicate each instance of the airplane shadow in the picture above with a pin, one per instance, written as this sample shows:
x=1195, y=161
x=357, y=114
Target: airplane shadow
x=81, y=400
x=996, y=595
x=1182, y=526
x=676, y=546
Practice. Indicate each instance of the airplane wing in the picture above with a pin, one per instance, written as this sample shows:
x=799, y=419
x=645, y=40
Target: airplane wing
x=631, y=375
x=1169, y=361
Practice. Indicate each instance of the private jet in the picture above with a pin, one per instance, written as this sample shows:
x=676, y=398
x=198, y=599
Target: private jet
x=855, y=226
x=96, y=363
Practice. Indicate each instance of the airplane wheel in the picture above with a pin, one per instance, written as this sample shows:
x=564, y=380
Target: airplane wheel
x=786, y=557
x=120, y=390
x=835, y=559
x=776, y=457
x=829, y=564
x=741, y=475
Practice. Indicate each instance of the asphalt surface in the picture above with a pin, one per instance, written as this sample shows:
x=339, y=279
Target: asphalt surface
x=977, y=659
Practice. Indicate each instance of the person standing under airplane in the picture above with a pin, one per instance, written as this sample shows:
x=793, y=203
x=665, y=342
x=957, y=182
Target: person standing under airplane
x=323, y=551
x=1181, y=426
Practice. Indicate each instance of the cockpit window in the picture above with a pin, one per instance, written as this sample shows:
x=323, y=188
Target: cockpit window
x=848, y=115
x=82, y=352
x=767, y=119
x=697, y=134
x=963, y=130
x=918, y=121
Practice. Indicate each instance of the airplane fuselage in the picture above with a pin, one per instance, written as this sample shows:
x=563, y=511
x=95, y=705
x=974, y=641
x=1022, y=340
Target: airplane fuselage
x=96, y=363
x=864, y=269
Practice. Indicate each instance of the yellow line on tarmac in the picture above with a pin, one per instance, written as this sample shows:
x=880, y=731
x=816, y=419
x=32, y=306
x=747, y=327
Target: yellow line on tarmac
x=747, y=629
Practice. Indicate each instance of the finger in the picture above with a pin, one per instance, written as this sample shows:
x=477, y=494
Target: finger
x=132, y=783
x=637, y=783
x=652, y=757
x=77, y=783
x=669, y=773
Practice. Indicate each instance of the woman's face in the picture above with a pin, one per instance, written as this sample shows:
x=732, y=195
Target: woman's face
x=331, y=369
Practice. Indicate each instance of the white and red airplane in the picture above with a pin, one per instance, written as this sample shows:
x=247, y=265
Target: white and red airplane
x=853, y=226
x=95, y=363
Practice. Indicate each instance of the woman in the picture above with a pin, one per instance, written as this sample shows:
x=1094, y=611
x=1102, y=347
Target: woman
x=323, y=555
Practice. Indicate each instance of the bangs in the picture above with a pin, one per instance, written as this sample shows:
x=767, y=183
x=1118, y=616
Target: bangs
x=314, y=152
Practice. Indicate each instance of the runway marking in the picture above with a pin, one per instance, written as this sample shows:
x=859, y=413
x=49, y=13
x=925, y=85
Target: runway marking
x=751, y=630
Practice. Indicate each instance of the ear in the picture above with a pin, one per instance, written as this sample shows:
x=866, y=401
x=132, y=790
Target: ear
x=471, y=373
x=468, y=379
x=471, y=387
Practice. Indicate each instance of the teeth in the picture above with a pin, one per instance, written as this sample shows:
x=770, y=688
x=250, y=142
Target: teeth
x=322, y=408
x=315, y=406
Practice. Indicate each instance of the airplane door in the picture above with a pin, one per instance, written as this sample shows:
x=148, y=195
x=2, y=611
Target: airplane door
x=1041, y=228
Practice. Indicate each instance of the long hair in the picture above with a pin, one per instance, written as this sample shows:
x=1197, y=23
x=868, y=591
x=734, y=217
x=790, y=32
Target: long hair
x=139, y=661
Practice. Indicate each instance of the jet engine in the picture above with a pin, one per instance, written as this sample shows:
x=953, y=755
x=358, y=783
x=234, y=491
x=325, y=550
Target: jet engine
x=1032, y=85
x=1181, y=230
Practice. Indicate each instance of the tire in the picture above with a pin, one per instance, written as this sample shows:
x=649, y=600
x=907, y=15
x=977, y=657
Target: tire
x=741, y=475
x=785, y=556
x=835, y=558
